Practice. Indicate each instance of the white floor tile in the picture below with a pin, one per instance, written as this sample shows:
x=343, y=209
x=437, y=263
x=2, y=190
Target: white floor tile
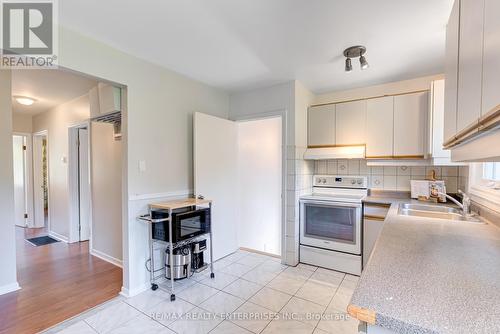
x=220, y=281
x=179, y=285
x=339, y=323
x=197, y=293
x=141, y=324
x=112, y=317
x=285, y=284
x=81, y=327
x=329, y=272
x=243, y=288
x=147, y=299
x=303, y=310
x=236, y=269
x=340, y=302
x=319, y=277
x=307, y=266
x=259, y=276
x=251, y=261
x=317, y=293
x=196, y=321
x=272, y=267
x=252, y=317
x=235, y=256
x=227, y=327
x=221, y=303
x=320, y=331
x=167, y=312
x=222, y=263
x=297, y=273
x=270, y=299
x=279, y=326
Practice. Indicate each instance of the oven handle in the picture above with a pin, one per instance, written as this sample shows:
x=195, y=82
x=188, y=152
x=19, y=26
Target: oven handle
x=332, y=204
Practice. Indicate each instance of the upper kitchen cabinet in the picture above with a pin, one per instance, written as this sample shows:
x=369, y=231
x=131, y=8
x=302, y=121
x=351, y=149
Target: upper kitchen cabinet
x=321, y=126
x=379, y=127
x=410, y=121
x=491, y=57
x=351, y=123
x=451, y=73
x=470, y=62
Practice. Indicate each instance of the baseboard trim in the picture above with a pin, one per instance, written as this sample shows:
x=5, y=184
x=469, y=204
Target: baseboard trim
x=107, y=258
x=259, y=252
x=134, y=292
x=58, y=236
x=9, y=288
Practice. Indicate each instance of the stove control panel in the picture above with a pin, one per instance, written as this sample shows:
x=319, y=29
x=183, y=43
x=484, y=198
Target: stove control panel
x=334, y=181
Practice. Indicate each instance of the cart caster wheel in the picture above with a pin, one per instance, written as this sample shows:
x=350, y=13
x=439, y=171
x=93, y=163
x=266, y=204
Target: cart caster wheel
x=212, y=275
x=154, y=287
x=172, y=298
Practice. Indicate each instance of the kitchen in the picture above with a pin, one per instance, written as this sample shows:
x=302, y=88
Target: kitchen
x=322, y=184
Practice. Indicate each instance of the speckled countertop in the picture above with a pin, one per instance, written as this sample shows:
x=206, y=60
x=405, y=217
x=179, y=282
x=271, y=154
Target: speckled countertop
x=432, y=276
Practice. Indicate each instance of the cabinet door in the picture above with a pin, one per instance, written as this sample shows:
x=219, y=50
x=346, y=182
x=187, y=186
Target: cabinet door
x=371, y=232
x=321, y=126
x=491, y=56
x=410, y=124
x=379, y=127
x=437, y=117
x=470, y=62
x=351, y=123
x=451, y=73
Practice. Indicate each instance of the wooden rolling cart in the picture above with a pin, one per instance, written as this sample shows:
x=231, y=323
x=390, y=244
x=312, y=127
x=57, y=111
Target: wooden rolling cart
x=170, y=206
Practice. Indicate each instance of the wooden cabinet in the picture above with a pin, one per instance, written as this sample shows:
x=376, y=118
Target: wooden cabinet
x=491, y=57
x=470, y=62
x=379, y=127
x=410, y=122
x=321, y=126
x=351, y=123
x=373, y=221
x=451, y=73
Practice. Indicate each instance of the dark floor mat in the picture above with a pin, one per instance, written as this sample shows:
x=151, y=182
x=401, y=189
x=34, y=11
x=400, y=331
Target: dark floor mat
x=40, y=241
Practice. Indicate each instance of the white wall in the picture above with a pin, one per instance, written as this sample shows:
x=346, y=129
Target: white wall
x=259, y=185
x=157, y=128
x=7, y=233
x=22, y=123
x=56, y=122
x=106, y=194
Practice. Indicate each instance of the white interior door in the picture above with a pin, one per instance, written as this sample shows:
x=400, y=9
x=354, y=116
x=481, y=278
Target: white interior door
x=215, y=176
x=19, y=181
x=84, y=183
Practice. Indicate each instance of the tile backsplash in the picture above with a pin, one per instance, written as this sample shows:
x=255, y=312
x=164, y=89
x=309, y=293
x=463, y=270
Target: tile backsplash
x=392, y=177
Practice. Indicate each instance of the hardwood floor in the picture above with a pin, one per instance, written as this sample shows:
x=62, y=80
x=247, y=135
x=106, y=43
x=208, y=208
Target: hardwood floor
x=58, y=281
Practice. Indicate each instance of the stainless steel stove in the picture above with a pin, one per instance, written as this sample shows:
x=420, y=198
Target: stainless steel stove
x=331, y=223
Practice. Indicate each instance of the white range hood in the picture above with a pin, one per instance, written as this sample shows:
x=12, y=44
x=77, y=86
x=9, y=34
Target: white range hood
x=341, y=152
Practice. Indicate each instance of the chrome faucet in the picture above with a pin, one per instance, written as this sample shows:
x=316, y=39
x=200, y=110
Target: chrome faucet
x=465, y=205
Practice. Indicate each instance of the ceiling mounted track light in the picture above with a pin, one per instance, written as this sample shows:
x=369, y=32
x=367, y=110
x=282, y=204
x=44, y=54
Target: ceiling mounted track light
x=355, y=52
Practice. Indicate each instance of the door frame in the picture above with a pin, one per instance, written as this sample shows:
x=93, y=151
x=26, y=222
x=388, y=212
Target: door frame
x=28, y=176
x=282, y=113
x=73, y=182
x=36, y=181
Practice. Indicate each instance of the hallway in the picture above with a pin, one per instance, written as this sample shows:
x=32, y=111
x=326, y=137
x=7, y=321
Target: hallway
x=58, y=281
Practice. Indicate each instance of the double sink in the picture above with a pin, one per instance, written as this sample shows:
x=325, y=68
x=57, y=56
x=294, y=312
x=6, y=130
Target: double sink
x=435, y=212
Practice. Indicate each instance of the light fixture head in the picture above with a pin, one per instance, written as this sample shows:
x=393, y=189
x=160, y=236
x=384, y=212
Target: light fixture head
x=24, y=100
x=363, y=63
x=348, y=65
x=355, y=52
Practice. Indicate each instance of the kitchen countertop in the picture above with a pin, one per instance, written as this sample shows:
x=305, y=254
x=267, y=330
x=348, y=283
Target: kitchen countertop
x=431, y=276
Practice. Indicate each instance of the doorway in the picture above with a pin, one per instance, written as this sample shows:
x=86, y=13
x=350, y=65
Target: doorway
x=79, y=183
x=23, y=195
x=41, y=216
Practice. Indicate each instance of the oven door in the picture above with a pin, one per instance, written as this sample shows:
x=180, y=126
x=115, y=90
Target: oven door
x=331, y=225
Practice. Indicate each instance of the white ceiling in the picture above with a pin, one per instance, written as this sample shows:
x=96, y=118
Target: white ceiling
x=242, y=44
x=49, y=87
